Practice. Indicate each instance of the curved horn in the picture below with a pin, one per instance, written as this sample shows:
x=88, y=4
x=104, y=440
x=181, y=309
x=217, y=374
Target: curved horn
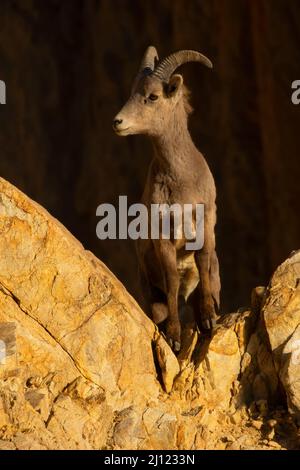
x=147, y=66
x=167, y=66
x=149, y=59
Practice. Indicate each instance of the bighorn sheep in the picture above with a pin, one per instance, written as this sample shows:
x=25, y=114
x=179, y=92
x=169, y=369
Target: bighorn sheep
x=159, y=107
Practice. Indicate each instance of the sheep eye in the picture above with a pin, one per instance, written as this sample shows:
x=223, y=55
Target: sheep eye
x=153, y=97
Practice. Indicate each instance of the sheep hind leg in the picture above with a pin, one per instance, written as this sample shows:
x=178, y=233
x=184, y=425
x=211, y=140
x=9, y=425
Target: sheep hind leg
x=153, y=296
x=158, y=305
x=159, y=312
x=215, y=282
x=206, y=301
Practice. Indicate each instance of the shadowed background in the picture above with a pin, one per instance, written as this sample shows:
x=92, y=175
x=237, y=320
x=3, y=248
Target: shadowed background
x=68, y=66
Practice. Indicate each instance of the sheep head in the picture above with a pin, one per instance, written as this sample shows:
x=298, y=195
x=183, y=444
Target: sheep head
x=155, y=94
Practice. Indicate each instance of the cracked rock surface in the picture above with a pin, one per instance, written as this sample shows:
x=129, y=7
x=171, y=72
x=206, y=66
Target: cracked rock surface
x=82, y=366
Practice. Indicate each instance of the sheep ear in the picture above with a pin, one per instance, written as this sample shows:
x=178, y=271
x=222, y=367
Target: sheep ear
x=174, y=85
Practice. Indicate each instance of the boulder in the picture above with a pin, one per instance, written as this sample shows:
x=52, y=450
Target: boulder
x=290, y=372
x=281, y=314
x=83, y=367
x=78, y=347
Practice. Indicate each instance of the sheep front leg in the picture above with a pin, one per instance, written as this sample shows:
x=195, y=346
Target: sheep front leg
x=207, y=306
x=206, y=261
x=168, y=260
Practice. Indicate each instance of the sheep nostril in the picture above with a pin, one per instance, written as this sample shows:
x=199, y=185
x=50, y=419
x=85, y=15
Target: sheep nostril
x=117, y=122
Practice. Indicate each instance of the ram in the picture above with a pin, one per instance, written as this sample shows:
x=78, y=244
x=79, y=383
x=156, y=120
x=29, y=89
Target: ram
x=172, y=276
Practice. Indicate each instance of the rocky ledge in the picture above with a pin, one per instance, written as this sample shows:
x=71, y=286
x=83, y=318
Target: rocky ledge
x=82, y=366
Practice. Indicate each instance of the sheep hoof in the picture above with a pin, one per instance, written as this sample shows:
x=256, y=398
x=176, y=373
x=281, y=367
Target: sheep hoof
x=209, y=324
x=174, y=345
x=206, y=324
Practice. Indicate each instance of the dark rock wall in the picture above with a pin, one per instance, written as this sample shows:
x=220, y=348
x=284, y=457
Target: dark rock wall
x=68, y=66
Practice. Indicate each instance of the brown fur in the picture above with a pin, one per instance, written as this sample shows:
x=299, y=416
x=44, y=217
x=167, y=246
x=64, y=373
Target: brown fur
x=186, y=96
x=178, y=174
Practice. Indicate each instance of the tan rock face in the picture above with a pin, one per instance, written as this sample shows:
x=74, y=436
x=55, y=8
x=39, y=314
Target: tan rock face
x=65, y=318
x=282, y=309
x=53, y=287
x=82, y=367
x=281, y=314
x=167, y=362
x=290, y=371
x=220, y=367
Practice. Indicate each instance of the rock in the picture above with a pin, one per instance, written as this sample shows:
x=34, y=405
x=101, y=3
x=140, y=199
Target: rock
x=245, y=362
x=236, y=418
x=184, y=383
x=241, y=443
x=28, y=442
x=221, y=445
x=257, y=424
x=7, y=445
x=66, y=320
x=259, y=379
x=186, y=435
x=290, y=371
x=272, y=423
x=270, y=434
x=82, y=366
x=168, y=363
x=188, y=346
x=281, y=311
x=222, y=355
x=274, y=444
x=70, y=300
x=39, y=400
x=282, y=322
x=161, y=428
